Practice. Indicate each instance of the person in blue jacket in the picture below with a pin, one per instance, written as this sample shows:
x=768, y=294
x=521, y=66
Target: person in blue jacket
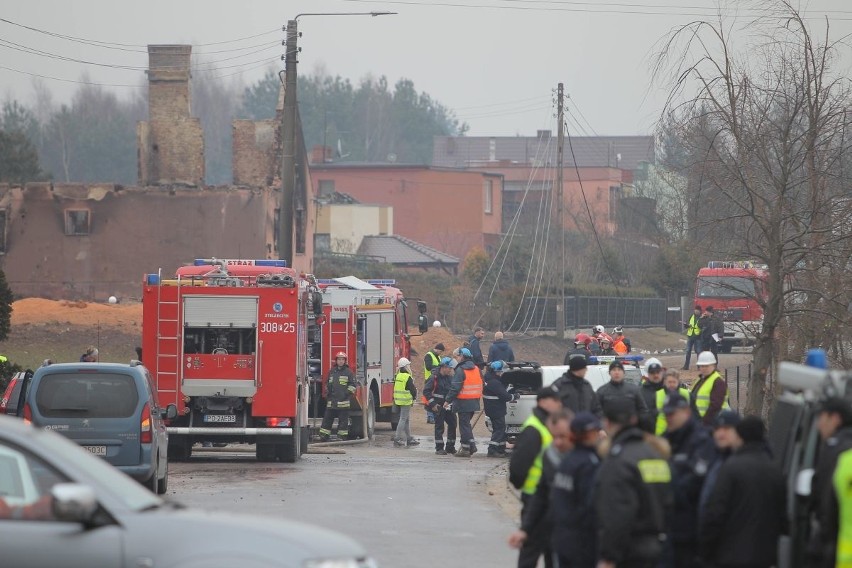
x=500, y=350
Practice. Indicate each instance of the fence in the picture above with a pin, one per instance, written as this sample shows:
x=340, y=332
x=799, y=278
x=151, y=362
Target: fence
x=539, y=314
x=737, y=380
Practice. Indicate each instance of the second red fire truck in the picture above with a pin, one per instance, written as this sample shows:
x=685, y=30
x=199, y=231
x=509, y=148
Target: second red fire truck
x=241, y=347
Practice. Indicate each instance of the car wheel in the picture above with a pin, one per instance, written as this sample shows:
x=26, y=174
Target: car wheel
x=289, y=451
x=163, y=484
x=264, y=452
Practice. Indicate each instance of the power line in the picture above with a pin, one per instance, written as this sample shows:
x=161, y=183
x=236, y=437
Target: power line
x=570, y=8
x=51, y=78
x=125, y=46
x=506, y=103
x=589, y=212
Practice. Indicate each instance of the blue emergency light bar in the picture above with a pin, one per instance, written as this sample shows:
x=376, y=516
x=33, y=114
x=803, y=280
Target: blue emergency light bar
x=604, y=359
x=382, y=282
x=242, y=262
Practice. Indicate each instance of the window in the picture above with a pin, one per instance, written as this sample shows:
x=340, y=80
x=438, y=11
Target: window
x=326, y=187
x=80, y=395
x=25, y=484
x=322, y=242
x=77, y=222
x=725, y=287
x=489, y=196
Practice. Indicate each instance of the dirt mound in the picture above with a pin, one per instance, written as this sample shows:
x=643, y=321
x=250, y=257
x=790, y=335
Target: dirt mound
x=38, y=311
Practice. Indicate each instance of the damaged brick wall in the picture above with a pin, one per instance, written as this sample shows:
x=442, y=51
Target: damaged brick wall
x=171, y=143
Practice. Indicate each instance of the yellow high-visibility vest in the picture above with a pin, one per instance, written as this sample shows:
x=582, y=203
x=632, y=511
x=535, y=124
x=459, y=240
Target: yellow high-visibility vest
x=401, y=395
x=534, y=473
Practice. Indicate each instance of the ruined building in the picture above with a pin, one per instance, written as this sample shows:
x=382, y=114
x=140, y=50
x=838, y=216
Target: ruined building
x=91, y=241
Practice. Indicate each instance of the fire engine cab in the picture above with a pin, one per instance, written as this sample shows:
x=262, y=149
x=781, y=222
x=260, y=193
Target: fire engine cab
x=226, y=341
x=368, y=321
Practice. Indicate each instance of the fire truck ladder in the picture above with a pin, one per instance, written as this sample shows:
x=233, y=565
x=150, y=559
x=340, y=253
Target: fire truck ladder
x=167, y=329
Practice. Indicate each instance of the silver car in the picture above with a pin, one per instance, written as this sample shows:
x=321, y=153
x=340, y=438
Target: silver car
x=62, y=506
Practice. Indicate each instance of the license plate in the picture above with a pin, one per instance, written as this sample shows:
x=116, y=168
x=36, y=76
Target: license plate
x=220, y=417
x=513, y=429
x=96, y=450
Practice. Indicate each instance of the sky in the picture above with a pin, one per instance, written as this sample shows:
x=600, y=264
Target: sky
x=496, y=63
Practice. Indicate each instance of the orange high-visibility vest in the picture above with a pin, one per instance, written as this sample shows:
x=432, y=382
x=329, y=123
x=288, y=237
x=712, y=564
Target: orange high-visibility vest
x=619, y=346
x=472, y=386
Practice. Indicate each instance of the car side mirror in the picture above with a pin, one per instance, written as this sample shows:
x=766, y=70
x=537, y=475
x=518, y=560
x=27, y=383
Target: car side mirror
x=422, y=323
x=74, y=502
x=804, y=482
x=171, y=412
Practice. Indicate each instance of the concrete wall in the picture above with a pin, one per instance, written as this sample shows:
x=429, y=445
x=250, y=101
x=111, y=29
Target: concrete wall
x=132, y=231
x=348, y=224
x=436, y=207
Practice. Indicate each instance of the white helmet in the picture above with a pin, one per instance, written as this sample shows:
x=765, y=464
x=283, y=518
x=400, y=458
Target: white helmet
x=653, y=363
x=706, y=358
x=403, y=362
x=599, y=329
x=436, y=323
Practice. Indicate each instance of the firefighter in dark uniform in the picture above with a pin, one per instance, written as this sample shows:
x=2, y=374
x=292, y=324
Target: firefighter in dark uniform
x=633, y=495
x=494, y=399
x=430, y=362
x=341, y=386
x=435, y=391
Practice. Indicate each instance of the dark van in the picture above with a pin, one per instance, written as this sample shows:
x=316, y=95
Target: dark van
x=110, y=410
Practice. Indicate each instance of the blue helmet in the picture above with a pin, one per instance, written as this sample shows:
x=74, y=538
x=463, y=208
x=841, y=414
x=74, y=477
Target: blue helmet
x=465, y=352
x=447, y=362
x=497, y=366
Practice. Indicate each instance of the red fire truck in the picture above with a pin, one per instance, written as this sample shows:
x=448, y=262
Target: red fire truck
x=734, y=289
x=368, y=320
x=226, y=341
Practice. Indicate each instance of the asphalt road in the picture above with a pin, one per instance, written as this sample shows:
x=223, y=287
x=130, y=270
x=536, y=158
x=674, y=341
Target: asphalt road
x=408, y=507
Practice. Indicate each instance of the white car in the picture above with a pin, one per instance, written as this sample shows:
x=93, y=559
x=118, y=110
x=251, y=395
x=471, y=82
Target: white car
x=528, y=378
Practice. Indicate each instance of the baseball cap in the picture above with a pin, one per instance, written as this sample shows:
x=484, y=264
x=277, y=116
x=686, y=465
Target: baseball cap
x=546, y=392
x=585, y=422
x=727, y=418
x=616, y=365
x=577, y=363
x=674, y=402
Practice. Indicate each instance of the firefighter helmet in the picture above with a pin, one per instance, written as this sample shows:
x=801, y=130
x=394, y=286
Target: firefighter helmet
x=340, y=355
x=618, y=330
x=599, y=329
x=403, y=362
x=465, y=352
x=605, y=339
x=497, y=366
x=706, y=358
x=581, y=339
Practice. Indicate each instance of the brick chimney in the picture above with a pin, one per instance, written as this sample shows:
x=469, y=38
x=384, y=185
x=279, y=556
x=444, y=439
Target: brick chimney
x=170, y=144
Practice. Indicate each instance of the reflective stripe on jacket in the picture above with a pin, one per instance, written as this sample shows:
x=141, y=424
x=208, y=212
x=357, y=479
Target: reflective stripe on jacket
x=701, y=397
x=401, y=394
x=472, y=387
x=435, y=363
x=842, y=481
x=534, y=474
x=662, y=425
x=692, y=329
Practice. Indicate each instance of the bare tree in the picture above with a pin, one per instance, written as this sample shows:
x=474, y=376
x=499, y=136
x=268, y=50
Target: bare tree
x=763, y=126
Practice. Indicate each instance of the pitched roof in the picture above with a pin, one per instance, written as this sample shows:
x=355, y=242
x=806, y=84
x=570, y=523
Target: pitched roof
x=399, y=250
x=590, y=151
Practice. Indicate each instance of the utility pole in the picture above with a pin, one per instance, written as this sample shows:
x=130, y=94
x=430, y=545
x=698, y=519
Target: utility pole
x=288, y=158
x=560, y=146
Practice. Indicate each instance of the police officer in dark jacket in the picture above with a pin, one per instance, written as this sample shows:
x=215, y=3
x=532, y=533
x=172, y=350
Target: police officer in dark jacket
x=572, y=508
x=745, y=515
x=435, y=391
x=633, y=496
x=617, y=389
x=727, y=440
x=536, y=519
x=575, y=391
x=834, y=421
x=693, y=452
x=494, y=399
x=651, y=383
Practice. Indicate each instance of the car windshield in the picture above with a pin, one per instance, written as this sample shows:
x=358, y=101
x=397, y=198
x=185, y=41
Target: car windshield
x=104, y=476
x=84, y=395
x=725, y=287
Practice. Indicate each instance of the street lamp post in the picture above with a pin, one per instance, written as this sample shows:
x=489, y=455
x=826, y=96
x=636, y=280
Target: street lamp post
x=288, y=158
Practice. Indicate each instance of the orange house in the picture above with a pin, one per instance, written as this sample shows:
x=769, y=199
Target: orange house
x=451, y=210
